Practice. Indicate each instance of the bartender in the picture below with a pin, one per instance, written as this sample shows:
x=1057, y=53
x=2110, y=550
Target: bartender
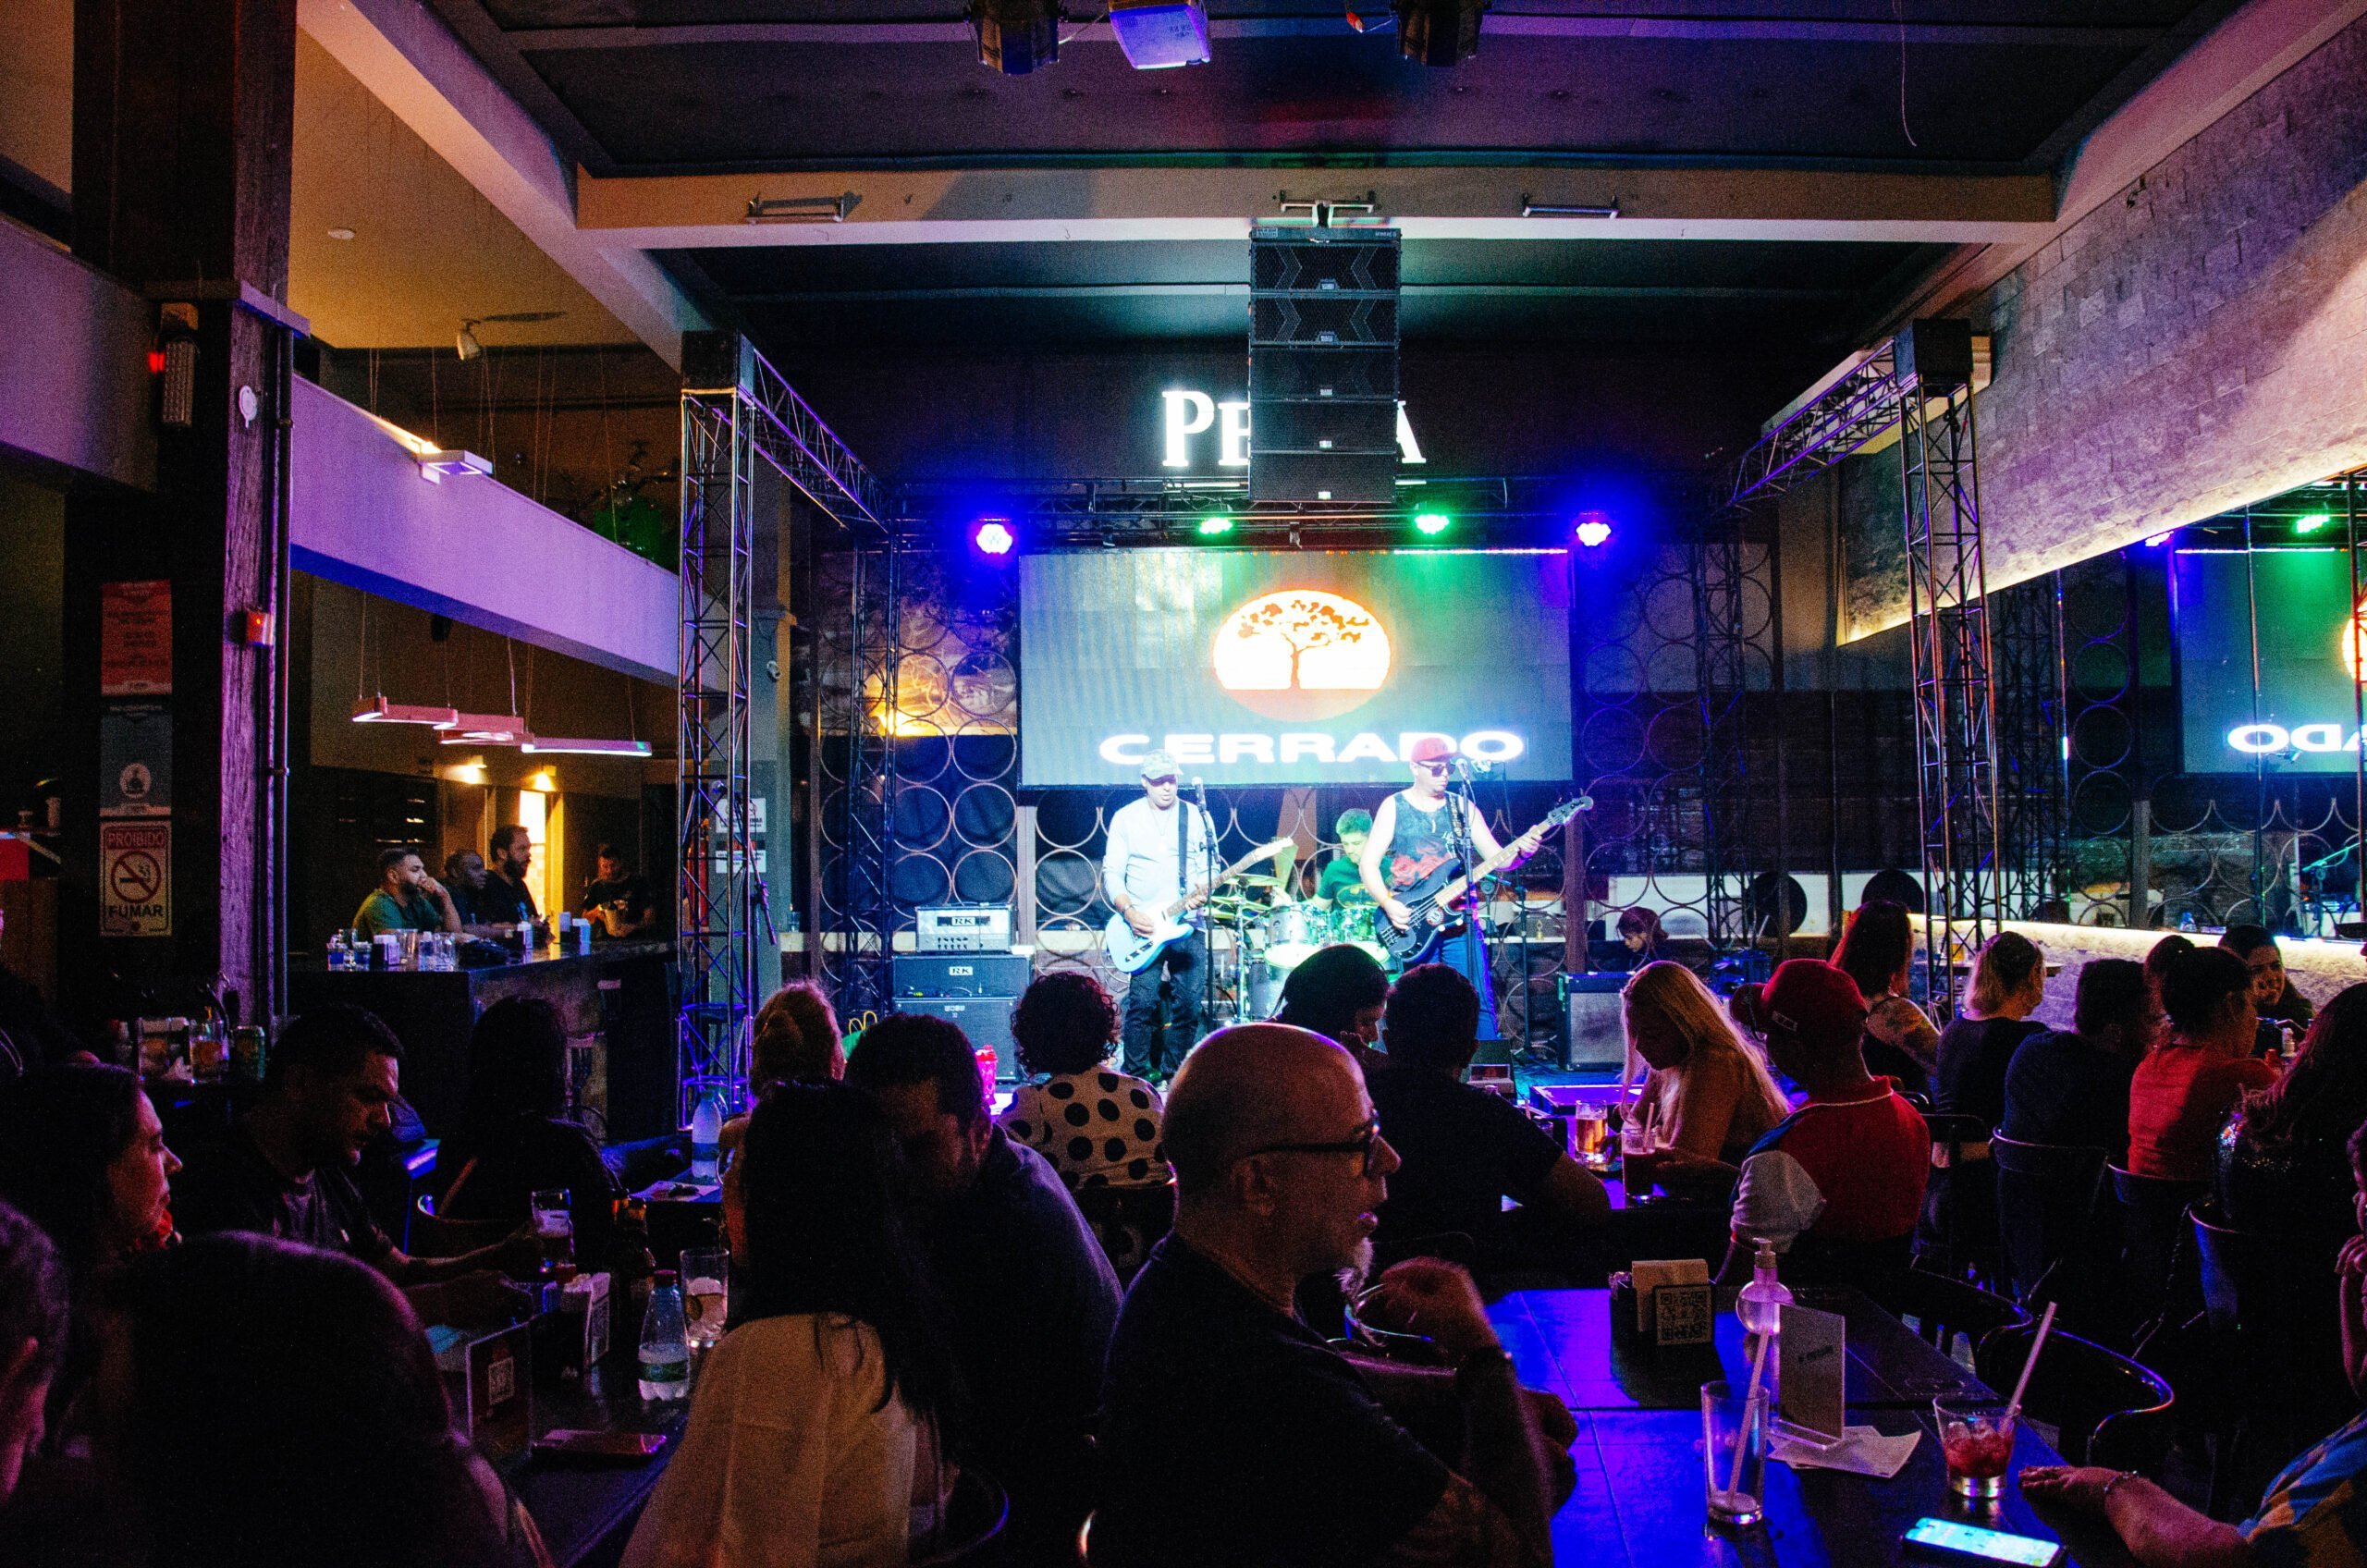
x=617, y=901
x=505, y=899
x=406, y=899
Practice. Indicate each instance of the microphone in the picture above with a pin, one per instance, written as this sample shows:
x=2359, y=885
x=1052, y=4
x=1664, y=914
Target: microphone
x=1196, y=782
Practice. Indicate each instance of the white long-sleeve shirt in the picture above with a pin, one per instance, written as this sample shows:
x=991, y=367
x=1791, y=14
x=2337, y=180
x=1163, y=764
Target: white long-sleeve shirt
x=1140, y=857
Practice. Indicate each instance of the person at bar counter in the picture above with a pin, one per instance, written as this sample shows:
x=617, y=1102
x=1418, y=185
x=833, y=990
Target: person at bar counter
x=2282, y=1012
x=505, y=900
x=1031, y=1294
x=406, y=899
x=2313, y=1513
x=617, y=901
x=514, y=1140
x=2283, y=1158
x=2184, y=1088
x=464, y=879
x=329, y=1087
x=1838, y=1183
x=1877, y=952
x=1231, y=1432
x=1462, y=1150
x=2069, y=1087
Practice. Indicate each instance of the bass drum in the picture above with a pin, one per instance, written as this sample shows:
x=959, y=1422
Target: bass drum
x=1262, y=996
x=1293, y=933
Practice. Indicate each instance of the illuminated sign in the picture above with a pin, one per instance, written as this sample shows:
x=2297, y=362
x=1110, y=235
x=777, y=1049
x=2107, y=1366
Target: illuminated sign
x=1184, y=414
x=1300, y=747
x=1301, y=654
x=2261, y=740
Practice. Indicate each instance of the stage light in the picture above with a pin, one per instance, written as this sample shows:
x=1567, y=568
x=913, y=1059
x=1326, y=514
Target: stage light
x=1593, y=530
x=1215, y=527
x=1016, y=36
x=1160, y=34
x=2156, y=541
x=2313, y=523
x=992, y=536
x=1433, y=523
x=1438, y=32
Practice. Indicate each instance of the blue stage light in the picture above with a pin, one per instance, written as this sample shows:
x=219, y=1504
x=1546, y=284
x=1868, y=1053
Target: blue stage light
x=992, y=536
x=1593, y=529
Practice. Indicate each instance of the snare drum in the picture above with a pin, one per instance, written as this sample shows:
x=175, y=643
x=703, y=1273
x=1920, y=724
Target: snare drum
x=1293, y=933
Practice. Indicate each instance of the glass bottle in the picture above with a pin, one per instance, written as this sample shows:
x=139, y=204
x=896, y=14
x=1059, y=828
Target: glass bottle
x=665, y=1347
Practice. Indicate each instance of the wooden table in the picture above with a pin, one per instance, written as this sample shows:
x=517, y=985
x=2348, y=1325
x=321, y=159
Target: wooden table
x=1638, y=1498
x=586, y=1511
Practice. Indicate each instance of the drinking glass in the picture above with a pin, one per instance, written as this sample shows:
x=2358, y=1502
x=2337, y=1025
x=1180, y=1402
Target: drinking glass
x=1636, y=1130
x=1977, y=1436
x=554, y=1228
x=1734, y=1451
x=408, y=943
x=1590, y=1136
x=706, y=1294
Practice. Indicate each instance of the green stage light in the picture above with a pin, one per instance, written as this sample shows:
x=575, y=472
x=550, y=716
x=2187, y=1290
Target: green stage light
x=2313, y=523
x=1215, y=527
x=1433, y=522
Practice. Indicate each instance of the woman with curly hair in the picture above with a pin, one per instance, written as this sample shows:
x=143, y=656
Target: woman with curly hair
x=1098, y=1126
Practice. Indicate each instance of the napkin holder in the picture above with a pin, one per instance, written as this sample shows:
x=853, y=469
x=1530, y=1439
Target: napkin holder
x=1661, y=1306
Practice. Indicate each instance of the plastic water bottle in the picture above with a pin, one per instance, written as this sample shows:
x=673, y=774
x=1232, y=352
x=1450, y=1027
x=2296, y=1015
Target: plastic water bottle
x=1761, y=1303
x=665, y=1346
x=707, y=1131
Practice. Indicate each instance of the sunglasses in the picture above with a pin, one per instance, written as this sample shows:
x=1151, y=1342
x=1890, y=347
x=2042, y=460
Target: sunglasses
x=1364, y=1141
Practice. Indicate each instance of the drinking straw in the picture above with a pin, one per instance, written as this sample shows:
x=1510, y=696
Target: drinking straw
x=2014, y=1405
x=1742, y=1428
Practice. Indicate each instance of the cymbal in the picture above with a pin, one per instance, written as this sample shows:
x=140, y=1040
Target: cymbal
x=1259, y=881
x=1233, y=909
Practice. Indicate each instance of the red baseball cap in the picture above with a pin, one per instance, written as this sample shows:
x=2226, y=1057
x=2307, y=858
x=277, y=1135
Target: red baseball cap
x=1812, y=1004
x=1430, y=748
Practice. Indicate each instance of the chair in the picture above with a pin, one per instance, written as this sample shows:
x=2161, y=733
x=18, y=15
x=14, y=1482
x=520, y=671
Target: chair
x=1958, y=1234
x=1128, y=1221
x=2047, y=1199
x=2276, y=1349
x=975, y=1516
x=1943, y=1308
x=2152, y=1226
x=434, y=1236
x=2107, y=1409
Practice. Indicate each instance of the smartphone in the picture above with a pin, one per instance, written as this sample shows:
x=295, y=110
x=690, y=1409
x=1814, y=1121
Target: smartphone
x=599, y=1446
x=1947, y=1539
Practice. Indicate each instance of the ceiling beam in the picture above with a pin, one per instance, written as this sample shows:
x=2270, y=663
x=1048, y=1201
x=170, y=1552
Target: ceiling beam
x=1042, y=291
x=1470, y=201
x=409, y=62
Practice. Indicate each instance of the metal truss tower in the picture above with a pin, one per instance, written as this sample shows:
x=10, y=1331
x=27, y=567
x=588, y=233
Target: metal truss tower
x=737, y=411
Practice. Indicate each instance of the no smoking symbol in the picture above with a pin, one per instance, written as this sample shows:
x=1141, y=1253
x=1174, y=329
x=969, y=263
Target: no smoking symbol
x=136, y=877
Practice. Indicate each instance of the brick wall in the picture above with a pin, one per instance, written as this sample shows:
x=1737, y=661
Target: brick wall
x=2194, y=345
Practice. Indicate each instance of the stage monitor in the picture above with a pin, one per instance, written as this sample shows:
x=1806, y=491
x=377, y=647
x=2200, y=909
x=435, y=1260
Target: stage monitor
x=2303, y=716
x=1315, y=668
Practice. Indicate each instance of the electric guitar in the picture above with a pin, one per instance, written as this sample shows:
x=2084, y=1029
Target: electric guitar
x=1131, y=950
x=1434, y=898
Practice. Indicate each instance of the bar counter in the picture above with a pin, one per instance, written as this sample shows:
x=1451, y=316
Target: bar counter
x=620, y=995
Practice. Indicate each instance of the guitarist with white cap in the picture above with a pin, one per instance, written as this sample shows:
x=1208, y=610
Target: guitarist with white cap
x=1159, y=849
x=1414, y=832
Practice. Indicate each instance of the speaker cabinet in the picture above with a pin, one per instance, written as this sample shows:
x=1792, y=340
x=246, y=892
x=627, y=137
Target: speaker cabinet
x=959, y=974
x=1323, y=334
x=986, y=1020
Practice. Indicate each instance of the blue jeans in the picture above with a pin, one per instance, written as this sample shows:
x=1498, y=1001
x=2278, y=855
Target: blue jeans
x=1179, y=972
x=1467, y=955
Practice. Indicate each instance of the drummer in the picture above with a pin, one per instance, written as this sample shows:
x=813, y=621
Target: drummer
x=1340, y=886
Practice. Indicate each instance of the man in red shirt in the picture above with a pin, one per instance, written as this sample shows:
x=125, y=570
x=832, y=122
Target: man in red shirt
x=2184, y=1086
x=1839, y=1182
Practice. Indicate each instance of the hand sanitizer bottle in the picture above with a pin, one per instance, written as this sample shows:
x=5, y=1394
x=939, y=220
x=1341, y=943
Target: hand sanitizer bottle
x=1761, y=1303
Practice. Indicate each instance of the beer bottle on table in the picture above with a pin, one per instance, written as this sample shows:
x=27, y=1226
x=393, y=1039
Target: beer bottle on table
x=631, y=1266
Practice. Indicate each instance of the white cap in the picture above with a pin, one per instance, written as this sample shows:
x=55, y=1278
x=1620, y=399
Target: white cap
x=1159, y=764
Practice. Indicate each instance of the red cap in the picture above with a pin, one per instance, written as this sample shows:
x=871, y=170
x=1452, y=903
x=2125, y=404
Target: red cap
x=1430, y=748
x=1813, y=1005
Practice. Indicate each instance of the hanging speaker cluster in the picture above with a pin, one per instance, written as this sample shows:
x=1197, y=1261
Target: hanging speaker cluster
x=1323, y=364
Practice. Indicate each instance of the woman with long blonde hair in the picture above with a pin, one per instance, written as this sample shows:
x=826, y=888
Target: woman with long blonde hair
x=1709, y=1096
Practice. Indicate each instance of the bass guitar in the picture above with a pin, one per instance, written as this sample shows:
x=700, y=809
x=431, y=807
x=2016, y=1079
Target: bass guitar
x=1132, y=951
x=1434, y=898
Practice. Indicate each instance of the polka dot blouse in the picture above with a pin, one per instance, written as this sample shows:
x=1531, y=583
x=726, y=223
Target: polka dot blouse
x=1099, y=1129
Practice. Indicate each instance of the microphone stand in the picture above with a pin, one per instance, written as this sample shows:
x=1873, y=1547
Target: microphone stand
x=1209, y=923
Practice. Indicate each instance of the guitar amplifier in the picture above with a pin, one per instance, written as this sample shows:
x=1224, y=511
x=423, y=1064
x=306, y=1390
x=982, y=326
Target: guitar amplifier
x=962, y=928
x=986, y=1020
x=1594, y=1015
x=959, y=974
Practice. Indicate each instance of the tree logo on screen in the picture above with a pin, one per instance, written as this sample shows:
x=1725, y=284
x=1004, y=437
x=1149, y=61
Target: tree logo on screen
x=1301, y=654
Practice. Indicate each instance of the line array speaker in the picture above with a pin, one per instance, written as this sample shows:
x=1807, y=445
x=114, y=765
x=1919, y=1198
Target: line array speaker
x=1323, y=338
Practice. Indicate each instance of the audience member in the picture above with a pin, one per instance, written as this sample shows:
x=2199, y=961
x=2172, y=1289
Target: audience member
x=328, y=1088
x=266, y=1405
x=406, y=899
x=1709, y=1096
x=1338, y=992
x=2158, y=956
x=1878, y=953
x=514, y=1140
x=464, y=876
x=2282, y=1010
x=32, y=1035
x=1098, y=1126
x=1031, y=1296
x=2008, y=985
x=2183, y=1090
x=2284, y=1161
x=83, y=1155
x=1462, y=1150
x=32, y=1337
x=1838, y=1183
x=794, y=1040
x=1640, y=934
x=2070, y=1086
x=1231, y=1434
x=814, y=1434
x=2311, y=1513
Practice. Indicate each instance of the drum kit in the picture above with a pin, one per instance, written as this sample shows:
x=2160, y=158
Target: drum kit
x=1269, y=941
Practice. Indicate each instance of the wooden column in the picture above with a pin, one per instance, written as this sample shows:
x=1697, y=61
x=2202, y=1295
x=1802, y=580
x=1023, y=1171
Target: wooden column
x=183, y=112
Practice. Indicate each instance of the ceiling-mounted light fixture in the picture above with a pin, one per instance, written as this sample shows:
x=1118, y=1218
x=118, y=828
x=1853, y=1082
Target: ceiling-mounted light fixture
x=466, y=344
x=377, y=710
x=1159, y=35
x=585, y=748
x=437, y=465
x=1438, y=32
x=484, y=730
x=1016, y=36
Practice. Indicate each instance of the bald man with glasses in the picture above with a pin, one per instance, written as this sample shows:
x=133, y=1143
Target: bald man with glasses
x=1231, y=1432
